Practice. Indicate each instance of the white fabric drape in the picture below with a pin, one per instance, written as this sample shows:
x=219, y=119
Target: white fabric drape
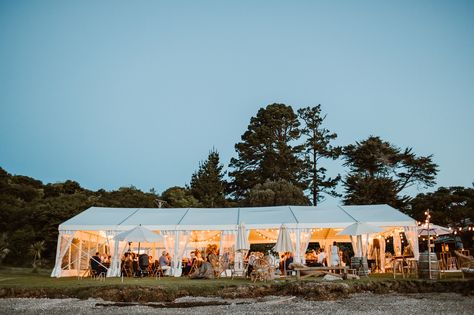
x=181, y=242
x=305, y=237
x=227, y=242
x=382, y=254
x=300, y=244
x=169, y=242
x=119, y=249
x=411, y=232
x=355, y=246
x=64, y=242
x=397, y=244
x=360, y=245
x=365, y=244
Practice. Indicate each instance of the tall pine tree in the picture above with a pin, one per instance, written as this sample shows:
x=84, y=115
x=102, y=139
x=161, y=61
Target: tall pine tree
x=316, y=147
x=207, y=184
x=379, y=172
x=267, y=152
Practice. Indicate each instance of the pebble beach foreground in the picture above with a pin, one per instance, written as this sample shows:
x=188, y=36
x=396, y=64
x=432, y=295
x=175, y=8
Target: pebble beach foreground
x=364, y=303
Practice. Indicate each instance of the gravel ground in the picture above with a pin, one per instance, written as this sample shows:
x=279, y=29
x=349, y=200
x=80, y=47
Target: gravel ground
x=365, y=303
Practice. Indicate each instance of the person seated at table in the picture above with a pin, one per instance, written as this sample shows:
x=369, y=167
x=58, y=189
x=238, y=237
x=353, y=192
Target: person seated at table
x=204, y=272
x=188, y=264
x=143, y=263
x=97, y=267
x=251, y=260
x=212, y=256
x=165, y=263
x=288, y=261
x=282, y=263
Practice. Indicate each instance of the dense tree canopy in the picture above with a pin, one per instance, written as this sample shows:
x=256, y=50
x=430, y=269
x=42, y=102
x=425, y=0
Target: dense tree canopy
x=277, y=194
x=318, y=146
x=179, y=197
x=453, y=206
x=207, y=184
x=30, y=212
x=379, y=172
x=267, y=151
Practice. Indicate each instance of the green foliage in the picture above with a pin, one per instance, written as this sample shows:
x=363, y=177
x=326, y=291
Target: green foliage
x=448, y=206
x=266, y=151
x=316, y=147
x=36, y=250
x=30, y=212
x=179, y=197
x=207, y=184
x=379, y=172
x=277, y=194
x=4, y=250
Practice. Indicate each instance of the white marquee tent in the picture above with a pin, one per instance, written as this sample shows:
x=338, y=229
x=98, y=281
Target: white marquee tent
x=184, y=229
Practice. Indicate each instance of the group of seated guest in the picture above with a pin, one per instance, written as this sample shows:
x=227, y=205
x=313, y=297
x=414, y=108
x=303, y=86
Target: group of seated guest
x=192, y=263
x=205, y=268
x=317, y=258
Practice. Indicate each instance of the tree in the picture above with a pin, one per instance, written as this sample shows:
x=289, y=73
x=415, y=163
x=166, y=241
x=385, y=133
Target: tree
x=278, y=193
x=379, y=172
x=266, y=151
x=207, y=184
x=179, y=197
x=453, y=206
x=36, y=250
x=316, y=147
x=4, y=250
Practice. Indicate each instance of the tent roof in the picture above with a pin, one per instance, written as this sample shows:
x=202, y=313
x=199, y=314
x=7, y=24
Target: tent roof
x=96, y=218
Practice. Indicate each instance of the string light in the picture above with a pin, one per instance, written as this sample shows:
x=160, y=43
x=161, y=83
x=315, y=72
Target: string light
x=265, y=237
x=212, y=238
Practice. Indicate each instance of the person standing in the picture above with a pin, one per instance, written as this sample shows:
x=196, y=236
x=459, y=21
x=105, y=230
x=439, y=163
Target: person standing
x=335, y=260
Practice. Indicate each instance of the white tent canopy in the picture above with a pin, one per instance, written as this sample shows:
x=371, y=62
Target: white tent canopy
x=98, y=225
x=121, y=219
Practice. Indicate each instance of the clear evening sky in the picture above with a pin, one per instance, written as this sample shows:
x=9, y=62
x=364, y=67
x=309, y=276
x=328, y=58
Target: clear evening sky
x=120, y=93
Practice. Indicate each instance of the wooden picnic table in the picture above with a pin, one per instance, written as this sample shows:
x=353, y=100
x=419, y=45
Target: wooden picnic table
x=318, y=271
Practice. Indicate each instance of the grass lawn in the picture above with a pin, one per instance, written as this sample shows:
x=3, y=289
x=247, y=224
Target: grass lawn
x=24, y=278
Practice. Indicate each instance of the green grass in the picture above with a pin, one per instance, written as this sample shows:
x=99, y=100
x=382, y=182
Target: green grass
x=24, y=278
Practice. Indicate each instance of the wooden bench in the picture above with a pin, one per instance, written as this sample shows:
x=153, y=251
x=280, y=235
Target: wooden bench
x=318, y=271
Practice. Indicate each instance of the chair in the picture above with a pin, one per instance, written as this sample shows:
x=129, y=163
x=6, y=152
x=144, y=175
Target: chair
x=397, y=268
x=97, y=271
x=452, y=263
x=411, y=267
x=466, y=263
x=127, y=268
x=237, y=272
x=464, y=260
x=221, y=266
x=143, y=264
x=261, y=270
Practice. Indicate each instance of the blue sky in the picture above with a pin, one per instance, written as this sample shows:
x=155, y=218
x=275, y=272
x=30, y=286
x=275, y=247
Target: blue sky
x=119, y=93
